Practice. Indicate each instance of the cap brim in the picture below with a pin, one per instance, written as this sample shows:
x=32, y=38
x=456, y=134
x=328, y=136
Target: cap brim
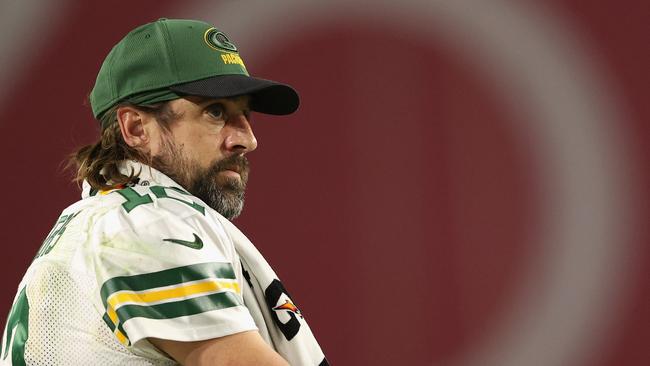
x=268, y=96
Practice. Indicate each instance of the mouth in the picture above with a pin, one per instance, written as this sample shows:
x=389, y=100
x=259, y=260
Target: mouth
x=231, y=173
x=233, y=168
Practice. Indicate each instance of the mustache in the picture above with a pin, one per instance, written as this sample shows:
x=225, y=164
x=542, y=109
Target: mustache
x=236, y=163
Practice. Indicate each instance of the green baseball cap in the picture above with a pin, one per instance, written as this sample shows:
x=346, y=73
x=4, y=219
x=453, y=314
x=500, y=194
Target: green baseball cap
x=169, y=58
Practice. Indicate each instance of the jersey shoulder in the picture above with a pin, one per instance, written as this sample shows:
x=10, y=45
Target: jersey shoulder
x=165, y=265
x=162, y=223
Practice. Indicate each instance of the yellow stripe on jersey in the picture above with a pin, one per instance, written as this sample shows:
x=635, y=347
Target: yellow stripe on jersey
x=159, y=295
x=168, y=294
x=121, y=337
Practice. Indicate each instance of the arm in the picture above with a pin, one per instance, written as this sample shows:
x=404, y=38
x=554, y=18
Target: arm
x=241, y=349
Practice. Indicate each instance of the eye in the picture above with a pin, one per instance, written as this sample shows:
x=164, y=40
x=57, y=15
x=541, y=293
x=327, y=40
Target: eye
x=216, y=111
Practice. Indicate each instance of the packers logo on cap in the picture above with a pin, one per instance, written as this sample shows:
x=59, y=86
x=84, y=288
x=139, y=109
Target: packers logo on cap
x=218, y=40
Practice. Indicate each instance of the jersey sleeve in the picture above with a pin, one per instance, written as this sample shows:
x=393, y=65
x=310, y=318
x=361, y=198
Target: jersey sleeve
x=166, y=270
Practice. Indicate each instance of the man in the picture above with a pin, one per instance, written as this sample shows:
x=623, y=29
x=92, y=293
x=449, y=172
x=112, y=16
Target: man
x=147, y=269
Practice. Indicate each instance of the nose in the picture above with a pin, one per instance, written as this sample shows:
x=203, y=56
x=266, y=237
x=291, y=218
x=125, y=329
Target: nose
x=240, y=138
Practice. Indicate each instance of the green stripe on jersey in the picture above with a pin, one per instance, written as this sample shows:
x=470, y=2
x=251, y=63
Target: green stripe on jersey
x=197, y=305
x=168, y=277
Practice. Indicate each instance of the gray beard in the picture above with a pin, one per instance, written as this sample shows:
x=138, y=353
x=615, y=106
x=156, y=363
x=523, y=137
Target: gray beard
x=225, y=197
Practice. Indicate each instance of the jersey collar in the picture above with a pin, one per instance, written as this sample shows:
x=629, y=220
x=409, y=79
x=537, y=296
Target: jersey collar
x=148, y=177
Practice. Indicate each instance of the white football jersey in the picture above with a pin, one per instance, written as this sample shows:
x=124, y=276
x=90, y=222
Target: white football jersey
x=121, y=266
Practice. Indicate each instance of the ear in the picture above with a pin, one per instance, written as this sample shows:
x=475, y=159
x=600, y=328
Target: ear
x=132, y=125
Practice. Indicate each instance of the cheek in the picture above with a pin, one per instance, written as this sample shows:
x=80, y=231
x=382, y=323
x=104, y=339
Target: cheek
x=205, y=149
x=155, y=145
x=199, y=142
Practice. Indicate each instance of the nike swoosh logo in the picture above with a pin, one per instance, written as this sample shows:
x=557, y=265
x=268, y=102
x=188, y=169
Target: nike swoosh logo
x=196, y=244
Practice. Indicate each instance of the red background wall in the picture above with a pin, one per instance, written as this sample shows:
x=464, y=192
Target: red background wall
x=410, y=205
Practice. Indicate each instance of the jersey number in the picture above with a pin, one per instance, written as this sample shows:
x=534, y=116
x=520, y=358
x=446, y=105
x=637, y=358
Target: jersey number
x=134, y=199
x=17, y=325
